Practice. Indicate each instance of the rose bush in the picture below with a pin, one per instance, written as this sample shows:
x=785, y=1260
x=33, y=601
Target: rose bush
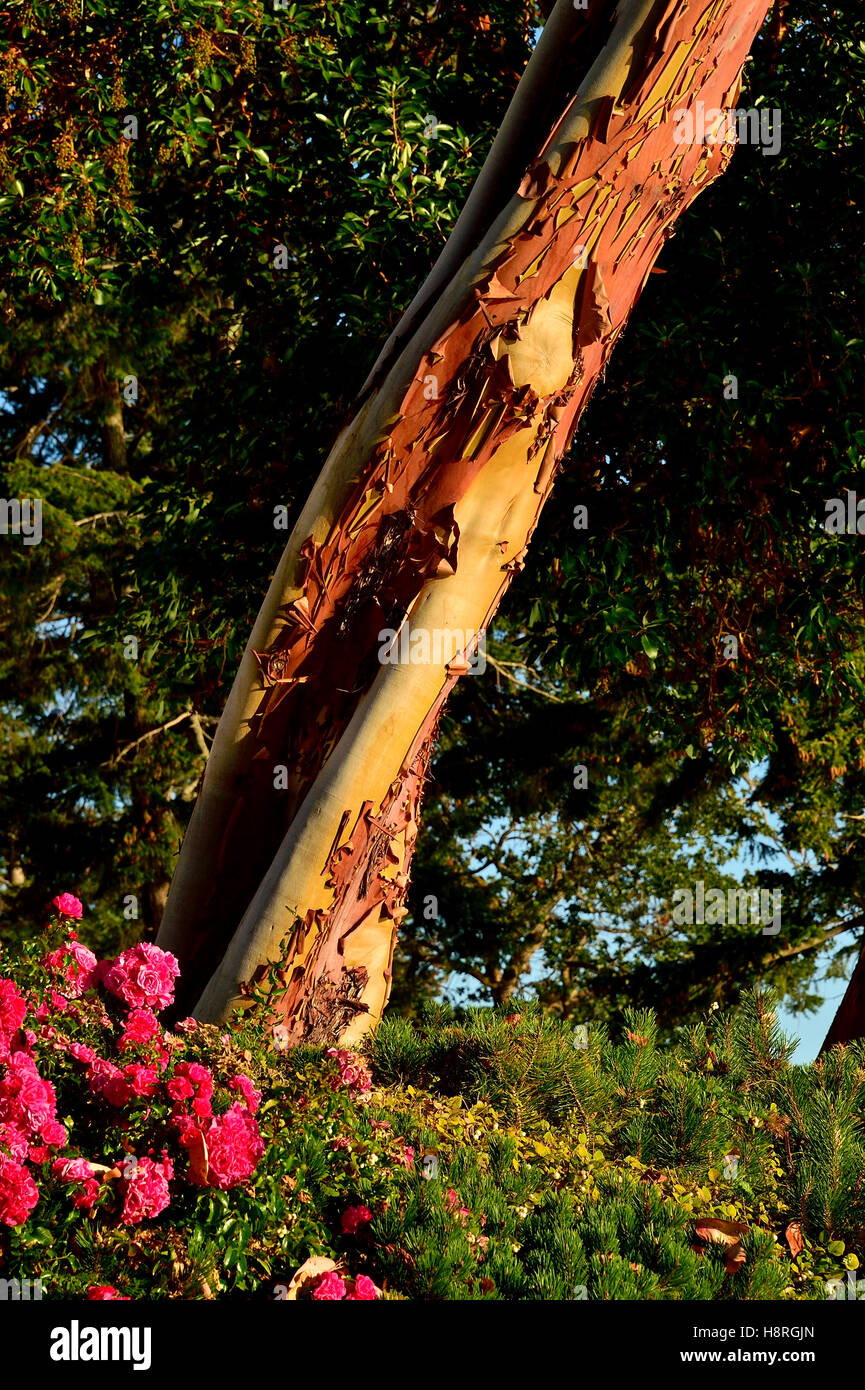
x=159, y=1124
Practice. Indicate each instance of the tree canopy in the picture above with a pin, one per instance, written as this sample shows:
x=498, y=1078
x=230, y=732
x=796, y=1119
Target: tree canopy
x=238, y=206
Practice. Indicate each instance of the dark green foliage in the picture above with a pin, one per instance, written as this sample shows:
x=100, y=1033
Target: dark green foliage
x=661, y=1125
x=304, y=128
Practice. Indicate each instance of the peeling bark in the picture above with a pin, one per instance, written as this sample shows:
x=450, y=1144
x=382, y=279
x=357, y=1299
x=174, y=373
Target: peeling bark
x=424, y=511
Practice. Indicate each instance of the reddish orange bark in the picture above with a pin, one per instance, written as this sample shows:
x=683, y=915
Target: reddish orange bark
x=849, y=1022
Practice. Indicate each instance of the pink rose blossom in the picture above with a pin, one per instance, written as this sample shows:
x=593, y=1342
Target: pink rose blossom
x=143, y=976
x=364, y=1290
x=453, y=1204
x=247, y=1090
x=180, y=1088
x=54, y=1134
x=330, y=1287
x=142, y=1081
x=191, y=1079
x=14, y=1140
x=353, y=1218
x=188, y=1130
x=352, y=1071
x=71, y=1169
x=234, y=1146
x=145, y=1189
x=77, y=972
x=68, y=905
x=18, y=1192
x=26, y=1101
x=13, y=1007
x=78, y=1173
x=107, y=1081
x=104, y=1292
x=141, y=1026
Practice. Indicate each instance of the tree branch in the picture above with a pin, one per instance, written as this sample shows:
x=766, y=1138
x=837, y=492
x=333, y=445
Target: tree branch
x=151, y=733
x=815, y=942
x=500, y=668
x=98, y=516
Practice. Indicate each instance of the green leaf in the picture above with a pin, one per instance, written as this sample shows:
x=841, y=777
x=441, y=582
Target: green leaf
x=649, y=647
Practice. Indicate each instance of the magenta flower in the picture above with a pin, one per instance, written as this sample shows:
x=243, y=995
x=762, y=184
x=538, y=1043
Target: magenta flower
x=141, y=1026
x=106, y=1080
x=27, y=1102
x=353, y=1072
x=143, y=976
x=330, y=1287
x=78, y=1173
x=18, y=1192
x=364, y=1290
x=234, y=1146
x=145, y=1189
x=68, y=905
x=13, y=1008
x=453, y=1204
x=251, y=1096
x=76, y=972
x=354, y=1218
x=142, y=1081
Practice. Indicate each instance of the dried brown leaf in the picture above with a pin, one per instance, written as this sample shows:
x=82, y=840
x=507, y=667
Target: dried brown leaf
x=719, y=1232
x=794, y=1238
x=198, y=1163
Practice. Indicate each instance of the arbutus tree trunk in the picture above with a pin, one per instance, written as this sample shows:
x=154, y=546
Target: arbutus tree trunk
x=292, y=877
x=849, y=1022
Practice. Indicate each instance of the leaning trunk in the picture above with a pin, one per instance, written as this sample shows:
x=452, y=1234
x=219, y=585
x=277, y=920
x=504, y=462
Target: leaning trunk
x=849, y=1022
x=292, y=879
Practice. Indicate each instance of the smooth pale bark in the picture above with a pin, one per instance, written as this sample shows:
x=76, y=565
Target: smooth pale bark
x=424, y=510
